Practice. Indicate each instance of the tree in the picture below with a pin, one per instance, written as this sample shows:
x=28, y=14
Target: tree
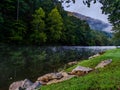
x=17, y=32
x=77, y=32
x=112, y=8
x=55, y=25
x=48, y=5
x=39, y=35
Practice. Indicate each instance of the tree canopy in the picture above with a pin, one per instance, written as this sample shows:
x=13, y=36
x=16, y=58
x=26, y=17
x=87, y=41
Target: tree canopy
x=43, y=22
x=110, y=7
x=38, y=35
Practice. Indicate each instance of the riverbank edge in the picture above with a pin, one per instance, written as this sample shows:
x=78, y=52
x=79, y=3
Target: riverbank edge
x=99, y=79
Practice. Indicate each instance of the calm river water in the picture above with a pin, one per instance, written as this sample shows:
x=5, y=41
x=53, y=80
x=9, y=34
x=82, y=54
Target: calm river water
x=17, y=63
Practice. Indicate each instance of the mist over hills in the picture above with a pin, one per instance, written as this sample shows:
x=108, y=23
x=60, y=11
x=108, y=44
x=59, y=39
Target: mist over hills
x=94, y=24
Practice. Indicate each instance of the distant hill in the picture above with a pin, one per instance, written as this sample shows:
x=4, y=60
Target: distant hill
x=94, y=24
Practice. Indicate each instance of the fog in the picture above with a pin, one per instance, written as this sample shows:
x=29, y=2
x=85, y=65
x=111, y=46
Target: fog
x=94, y=11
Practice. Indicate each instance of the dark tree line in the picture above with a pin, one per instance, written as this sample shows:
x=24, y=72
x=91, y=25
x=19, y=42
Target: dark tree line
x=42, y=22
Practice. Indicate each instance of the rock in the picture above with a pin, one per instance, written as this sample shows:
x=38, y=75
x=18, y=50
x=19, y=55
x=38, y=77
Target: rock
x=96, y=55
x=64, y=77
x=54, y=78
x=19, y=85
x=26, y=83
x=80, y=70
x=103, y=63
x=64, y=74
x=50, y=76
x=19, y=88
x=43, y=78
x=34, y=86
x=57, y=76
x=16, y=85
x=52, y=81
x=61, y=80
x=72, y=63
x=42, y=83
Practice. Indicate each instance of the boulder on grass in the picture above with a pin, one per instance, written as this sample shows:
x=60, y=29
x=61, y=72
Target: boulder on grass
x=103, y=63
x=72, y=63
x=34, y=86
x=26, y=83
x=96, y=55
x=80, y=70
x=54, y=78
x=16, y=85
x=64, y=74
x=50, y=76
x=19, y=85
x=67, y=77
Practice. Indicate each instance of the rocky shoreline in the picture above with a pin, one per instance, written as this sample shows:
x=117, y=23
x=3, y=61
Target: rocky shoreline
x=57, y=77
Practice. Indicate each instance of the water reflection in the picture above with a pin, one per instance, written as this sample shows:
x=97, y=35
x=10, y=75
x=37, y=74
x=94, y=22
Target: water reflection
x=17, y=63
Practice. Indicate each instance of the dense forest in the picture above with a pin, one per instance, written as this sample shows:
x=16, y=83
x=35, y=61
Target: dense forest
x=112, y=9
x=44, y=22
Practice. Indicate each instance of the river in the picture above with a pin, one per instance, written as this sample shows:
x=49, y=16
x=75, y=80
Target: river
x=20, y=62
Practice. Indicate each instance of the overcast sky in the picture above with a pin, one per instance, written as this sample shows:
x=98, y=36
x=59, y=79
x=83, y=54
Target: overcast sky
x=94, y=11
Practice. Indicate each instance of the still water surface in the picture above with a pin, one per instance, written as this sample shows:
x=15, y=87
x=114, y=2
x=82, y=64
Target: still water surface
x=17, y=63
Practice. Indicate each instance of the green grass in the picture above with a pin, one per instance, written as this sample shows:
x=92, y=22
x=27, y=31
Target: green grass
x=107, y=78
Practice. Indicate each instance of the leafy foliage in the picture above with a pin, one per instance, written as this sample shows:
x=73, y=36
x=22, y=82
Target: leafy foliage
x=42, y=22
x=39, y=35
x=112, y=8
x=55, y=24
x=18, y=32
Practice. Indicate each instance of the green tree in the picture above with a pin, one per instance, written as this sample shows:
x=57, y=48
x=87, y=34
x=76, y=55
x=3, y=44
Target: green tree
x=17, y=32
x=39, y=35
x=112, y=8
x=55, y=25
x=76, y=32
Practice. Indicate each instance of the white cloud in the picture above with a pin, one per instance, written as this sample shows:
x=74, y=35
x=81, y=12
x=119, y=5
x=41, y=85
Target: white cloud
x=94, y=11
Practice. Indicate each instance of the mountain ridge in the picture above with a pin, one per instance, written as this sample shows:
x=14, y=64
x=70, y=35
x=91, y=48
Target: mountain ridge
x=94, y=24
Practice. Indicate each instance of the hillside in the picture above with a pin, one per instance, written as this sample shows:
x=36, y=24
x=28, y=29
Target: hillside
x=94, y=24
x=107, y=78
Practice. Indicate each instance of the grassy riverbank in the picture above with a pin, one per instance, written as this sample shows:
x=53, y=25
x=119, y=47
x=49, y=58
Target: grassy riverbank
x=107, y=78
